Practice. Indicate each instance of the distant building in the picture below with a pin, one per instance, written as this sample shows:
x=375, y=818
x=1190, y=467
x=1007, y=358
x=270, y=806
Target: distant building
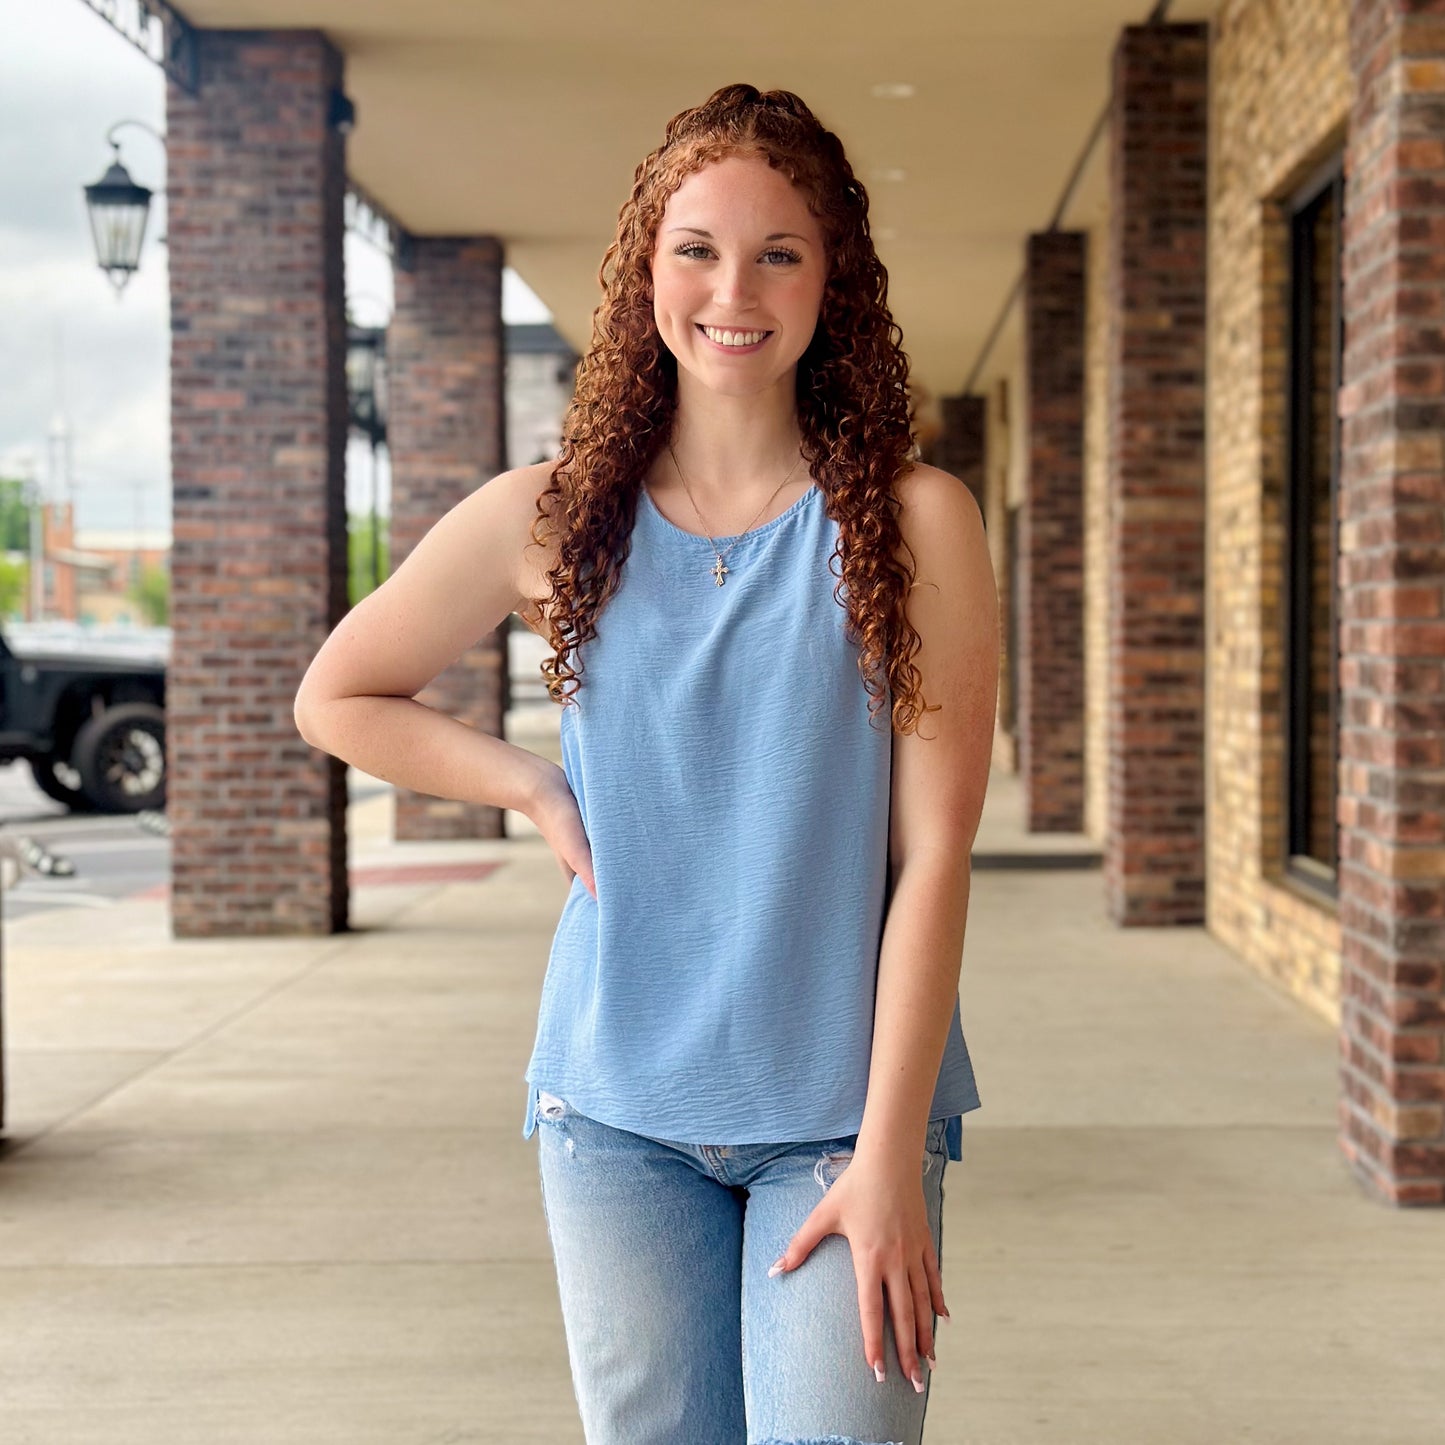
x=540, y=371
x=91, y=576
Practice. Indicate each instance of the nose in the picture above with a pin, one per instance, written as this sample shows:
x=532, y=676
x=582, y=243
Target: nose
x=734, y=286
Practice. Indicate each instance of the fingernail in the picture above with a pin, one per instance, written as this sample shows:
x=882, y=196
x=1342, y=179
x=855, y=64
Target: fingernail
x=949, y=1318
x=932, y=1363
x=878, y=1371
x=777, y=1267
x=917, y=1378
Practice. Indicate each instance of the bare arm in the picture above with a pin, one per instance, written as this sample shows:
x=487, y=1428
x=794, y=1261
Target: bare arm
x=414, y=746
x=937, y=798
x=357, y=700
x=938, y=788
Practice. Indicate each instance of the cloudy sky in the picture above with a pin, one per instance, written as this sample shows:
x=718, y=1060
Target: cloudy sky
x=69, y=346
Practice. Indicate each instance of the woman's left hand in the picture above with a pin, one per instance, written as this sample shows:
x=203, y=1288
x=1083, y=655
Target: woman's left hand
x=877, y=1203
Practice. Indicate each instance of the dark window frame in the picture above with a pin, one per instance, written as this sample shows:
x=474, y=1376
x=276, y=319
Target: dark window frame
x=1318, y=876
x=1013, y=536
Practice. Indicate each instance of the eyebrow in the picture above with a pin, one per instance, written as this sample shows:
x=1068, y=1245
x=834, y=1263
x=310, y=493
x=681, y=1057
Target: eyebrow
x=776, y=236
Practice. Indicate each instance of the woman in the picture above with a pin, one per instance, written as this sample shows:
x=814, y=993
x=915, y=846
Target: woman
x=749, y=1071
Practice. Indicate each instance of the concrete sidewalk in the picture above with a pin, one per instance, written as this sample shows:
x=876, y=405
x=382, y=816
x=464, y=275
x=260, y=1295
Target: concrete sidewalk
x=275, y=1192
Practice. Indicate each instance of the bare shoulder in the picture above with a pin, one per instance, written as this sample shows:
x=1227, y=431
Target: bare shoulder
x=932, y=498
x=953, y=603
x=942, y=528
x=940, y=772
x=472, y=568
x=520, y=491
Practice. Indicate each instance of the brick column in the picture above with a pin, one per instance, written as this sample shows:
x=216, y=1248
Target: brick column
x=959, y=448
x=256, y=180
x=1154, y=849
x=1051, y=537
x=1391, y=510
x=446, y=435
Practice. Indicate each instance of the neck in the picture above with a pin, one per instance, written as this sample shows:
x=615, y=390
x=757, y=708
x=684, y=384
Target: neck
x=732, y=447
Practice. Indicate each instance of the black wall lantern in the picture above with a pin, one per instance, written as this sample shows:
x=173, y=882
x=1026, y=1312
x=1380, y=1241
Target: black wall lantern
x=118, y=209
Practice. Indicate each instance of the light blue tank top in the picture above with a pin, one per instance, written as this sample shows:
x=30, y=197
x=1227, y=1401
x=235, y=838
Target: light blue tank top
x=720, y=988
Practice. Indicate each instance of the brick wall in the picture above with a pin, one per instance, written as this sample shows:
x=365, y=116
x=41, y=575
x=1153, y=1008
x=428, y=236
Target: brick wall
x=1000, y=513
x=1154, y=839
x=258, y=432
x=1096, y=519
x=1006, y=449
x=959, y=446
x=1281, y=89
x=1050, y=663
x=1392, y=605
x=447, y=437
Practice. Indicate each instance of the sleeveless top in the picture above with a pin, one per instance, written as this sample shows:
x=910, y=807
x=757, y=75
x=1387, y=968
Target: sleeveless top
x=720, y=988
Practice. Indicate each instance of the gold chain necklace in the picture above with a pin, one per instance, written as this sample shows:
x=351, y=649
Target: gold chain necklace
x=719, y=570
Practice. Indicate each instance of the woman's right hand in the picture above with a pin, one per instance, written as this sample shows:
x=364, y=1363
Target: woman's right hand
x=559, y=820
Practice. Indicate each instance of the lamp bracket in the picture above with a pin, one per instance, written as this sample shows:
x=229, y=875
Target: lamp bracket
x=158, y=31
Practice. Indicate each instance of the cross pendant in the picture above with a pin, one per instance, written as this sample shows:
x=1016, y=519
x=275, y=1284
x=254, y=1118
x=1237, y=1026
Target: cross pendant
x=719, y=571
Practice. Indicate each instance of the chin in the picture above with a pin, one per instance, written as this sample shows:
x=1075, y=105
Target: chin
x=731, y=379
x=734, y=385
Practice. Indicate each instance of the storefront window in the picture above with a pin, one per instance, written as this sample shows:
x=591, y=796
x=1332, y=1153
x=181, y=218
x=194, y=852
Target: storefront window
x=1311, y=538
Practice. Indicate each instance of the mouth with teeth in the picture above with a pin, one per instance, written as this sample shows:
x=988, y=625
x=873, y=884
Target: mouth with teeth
x=737, y=342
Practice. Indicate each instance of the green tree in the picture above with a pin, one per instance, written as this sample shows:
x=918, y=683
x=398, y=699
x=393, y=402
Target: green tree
x=14, y=516
x=152, y=596
x=359, y=547
x=14, y=585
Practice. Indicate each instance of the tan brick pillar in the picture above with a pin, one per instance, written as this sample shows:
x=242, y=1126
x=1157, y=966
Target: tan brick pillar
x=1154, y=853
x=1391, y=511
x=1051, y=537
x=959, y=447
x=256, y=180
x=446, y=434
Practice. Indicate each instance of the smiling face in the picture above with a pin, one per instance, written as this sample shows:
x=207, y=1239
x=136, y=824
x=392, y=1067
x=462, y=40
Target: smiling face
x=738, y=272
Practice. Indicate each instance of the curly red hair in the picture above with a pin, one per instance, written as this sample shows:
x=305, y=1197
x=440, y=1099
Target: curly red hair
x=854, y=407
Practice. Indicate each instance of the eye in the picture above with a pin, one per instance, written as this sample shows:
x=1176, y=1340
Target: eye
x=691, y=248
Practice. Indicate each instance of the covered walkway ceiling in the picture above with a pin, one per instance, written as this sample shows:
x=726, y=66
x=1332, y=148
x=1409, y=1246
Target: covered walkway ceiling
x=527, y=120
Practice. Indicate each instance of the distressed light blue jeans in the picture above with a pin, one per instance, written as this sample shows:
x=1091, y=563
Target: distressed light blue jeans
x=675, y=1333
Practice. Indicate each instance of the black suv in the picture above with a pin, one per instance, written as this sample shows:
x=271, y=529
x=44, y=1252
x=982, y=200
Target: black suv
x=87, y=712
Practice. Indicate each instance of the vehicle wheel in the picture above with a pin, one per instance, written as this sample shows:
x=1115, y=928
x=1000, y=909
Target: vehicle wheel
x=121, y=758
x=43, y=770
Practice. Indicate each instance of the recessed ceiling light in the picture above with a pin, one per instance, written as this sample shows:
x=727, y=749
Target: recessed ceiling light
x=893, y=90
x=889, y=173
